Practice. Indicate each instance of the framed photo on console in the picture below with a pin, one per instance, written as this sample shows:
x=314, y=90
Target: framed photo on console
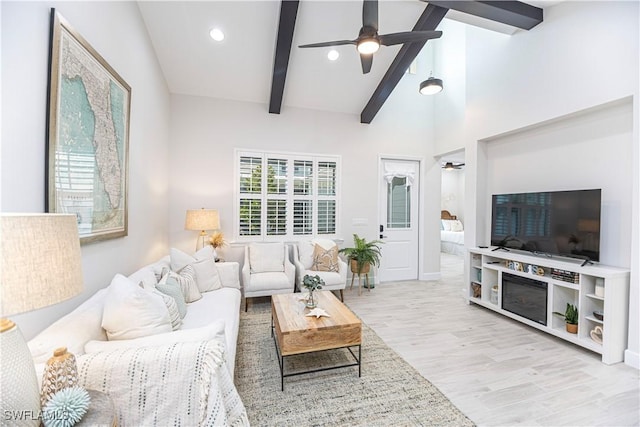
x=87, y=136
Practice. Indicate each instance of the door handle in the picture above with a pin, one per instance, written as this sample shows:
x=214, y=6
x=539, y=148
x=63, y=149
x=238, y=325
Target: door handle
x=382, y=236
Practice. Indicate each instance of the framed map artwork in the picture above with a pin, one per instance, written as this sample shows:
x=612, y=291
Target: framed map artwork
x=88, y=136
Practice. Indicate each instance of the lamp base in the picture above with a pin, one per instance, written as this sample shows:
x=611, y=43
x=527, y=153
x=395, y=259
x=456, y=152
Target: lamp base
x=20, y=396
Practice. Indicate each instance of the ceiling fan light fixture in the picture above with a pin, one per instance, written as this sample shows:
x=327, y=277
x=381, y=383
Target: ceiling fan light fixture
x=216, y=34
x=431, y=86
x=368, y=45
x=333, y=55
x=448, y=166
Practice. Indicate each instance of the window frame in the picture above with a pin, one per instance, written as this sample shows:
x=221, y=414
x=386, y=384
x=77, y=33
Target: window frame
x=288, y=196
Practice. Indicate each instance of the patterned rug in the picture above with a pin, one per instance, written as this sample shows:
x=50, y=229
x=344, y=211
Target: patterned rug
x=389, y=393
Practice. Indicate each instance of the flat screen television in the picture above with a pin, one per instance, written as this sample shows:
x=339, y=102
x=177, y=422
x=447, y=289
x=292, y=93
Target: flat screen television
x=564, y=223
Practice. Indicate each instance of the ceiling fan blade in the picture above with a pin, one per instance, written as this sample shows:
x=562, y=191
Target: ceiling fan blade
x=367, y=61
x=370, y=14
x=333, y=43
x=408, y=36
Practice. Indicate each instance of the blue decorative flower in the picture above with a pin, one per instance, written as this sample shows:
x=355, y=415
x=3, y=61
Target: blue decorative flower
x=66, y=407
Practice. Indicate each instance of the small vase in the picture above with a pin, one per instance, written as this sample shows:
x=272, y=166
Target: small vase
x=311, y=302
x=61, y=372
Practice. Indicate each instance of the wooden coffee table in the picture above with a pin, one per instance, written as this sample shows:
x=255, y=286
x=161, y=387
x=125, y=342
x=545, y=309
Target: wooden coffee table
x=296, y=333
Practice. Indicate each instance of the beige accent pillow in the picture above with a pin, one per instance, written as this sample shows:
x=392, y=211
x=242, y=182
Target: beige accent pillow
x=265, y=257
x=325, y=259
x=132, y=312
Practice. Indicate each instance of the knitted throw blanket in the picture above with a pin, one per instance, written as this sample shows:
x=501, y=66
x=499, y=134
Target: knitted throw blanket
x=180, y=384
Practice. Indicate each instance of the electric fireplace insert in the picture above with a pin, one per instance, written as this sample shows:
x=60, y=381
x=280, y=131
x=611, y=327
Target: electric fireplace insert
x=525, y=297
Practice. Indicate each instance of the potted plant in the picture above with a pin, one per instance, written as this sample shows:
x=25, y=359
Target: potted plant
x=570, y=318
x=312, y=283
x=363, y=255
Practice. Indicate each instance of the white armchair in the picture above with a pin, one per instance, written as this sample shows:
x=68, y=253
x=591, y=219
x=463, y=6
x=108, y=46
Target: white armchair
x=267, y=271
x=303, y=258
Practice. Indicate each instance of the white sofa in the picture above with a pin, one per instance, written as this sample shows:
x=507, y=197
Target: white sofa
x=82, y=329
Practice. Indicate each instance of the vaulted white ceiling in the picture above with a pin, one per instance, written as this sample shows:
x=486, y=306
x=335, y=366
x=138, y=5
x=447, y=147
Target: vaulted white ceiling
x=241, y=66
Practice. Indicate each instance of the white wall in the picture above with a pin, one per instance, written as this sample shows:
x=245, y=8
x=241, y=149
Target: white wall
x=205, y=132
x=117, y=32
x=583, y=56
x=453, y=192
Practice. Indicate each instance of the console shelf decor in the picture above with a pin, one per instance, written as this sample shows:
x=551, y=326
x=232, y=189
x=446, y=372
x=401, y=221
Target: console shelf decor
x=531, y=288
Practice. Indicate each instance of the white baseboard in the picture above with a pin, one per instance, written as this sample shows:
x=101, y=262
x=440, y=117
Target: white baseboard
x=431, y=276
x=632, y=358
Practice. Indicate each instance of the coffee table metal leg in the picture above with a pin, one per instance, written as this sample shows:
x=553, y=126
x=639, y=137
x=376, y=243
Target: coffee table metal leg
x=281, y=373
x=359, y=361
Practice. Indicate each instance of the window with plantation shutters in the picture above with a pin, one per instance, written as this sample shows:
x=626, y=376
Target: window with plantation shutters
x=282, y=196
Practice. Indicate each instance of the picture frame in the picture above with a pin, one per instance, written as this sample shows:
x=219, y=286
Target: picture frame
x=87, y=150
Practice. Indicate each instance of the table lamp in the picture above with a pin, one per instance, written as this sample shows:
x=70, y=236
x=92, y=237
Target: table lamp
x=41, y=266
x=202, y=220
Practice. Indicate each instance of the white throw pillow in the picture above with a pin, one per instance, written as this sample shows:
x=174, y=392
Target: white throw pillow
x=204, y=265
x=446, y=224
x=187, y=281
x=305, y=254
x=132, y=312
x=266, y=257
x=456, y=225
x=146, y=276
x=172, y=308
x=213, y=331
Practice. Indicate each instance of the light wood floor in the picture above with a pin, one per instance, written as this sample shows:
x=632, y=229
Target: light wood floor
x=497, y=371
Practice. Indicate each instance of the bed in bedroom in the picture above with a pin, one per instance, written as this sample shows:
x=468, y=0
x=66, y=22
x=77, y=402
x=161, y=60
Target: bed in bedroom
x=451, y=234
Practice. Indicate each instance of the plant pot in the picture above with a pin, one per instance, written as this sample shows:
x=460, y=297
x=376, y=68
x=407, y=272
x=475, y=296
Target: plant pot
x=572, y=328
x=365, y=267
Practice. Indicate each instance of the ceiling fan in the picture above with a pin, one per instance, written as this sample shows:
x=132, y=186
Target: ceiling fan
x=369, y=41
x=449, y=166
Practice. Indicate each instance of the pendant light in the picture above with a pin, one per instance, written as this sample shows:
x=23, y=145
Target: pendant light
x=431, y=86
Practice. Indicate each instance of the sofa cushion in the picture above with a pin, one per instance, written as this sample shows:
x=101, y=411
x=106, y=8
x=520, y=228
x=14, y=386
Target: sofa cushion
x=266, y=257
x=204, y=266
x=329, y=277
x=221, y=304
x=72, y=331
x=172, y=308
x=172, y=289
x=187, y=281
x=132, y=312
x=325, y=259
x=212, y=331
x=270, y=281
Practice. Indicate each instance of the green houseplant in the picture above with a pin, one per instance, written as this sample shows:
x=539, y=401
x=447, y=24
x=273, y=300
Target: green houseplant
x=570, y=317
x=312, y=283
x=363, y=255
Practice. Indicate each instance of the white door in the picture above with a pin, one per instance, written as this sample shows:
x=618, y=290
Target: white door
x=399, y=219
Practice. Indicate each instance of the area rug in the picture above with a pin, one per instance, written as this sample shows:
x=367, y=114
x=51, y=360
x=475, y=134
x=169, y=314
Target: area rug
x=389, y=393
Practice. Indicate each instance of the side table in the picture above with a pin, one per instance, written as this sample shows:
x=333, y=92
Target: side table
x=101, y=411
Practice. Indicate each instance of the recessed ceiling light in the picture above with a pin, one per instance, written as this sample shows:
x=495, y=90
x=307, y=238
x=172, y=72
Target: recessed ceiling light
x=216, y=34
x=333, y=55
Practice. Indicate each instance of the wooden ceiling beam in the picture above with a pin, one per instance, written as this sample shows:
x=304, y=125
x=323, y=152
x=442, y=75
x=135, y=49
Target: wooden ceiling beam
x=514, y=13
x=286, y=26
x=428, y=21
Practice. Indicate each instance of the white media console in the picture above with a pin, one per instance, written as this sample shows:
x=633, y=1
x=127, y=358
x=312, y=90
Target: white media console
x=487, y=270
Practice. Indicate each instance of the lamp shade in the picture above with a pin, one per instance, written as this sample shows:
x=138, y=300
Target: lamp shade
x=41, y=265
x=431, y=86
x=41, y=261
x=202, y=219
